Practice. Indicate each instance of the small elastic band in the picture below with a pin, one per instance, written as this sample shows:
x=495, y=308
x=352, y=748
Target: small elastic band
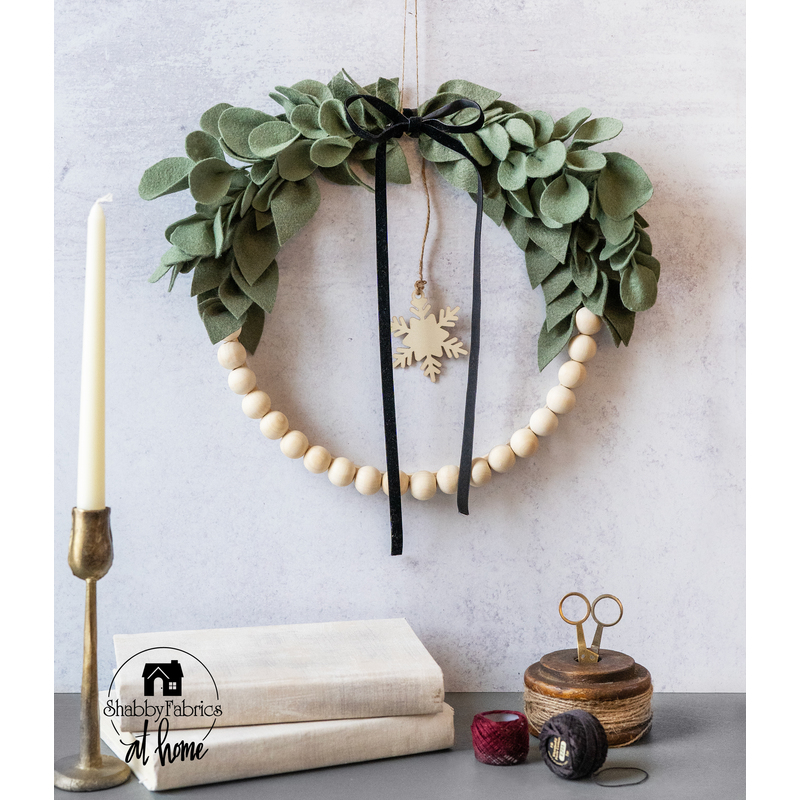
x=614, y=783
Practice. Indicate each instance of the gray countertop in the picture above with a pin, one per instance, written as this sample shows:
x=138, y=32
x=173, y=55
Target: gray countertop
x=696, y=749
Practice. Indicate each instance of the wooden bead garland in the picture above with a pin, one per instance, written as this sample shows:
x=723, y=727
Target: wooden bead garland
x=524, y=442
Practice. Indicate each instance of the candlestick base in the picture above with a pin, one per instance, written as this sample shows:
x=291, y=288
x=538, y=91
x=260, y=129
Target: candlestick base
x=73, y=776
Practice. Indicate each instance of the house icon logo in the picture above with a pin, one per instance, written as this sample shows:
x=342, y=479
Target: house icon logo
x=170, y=676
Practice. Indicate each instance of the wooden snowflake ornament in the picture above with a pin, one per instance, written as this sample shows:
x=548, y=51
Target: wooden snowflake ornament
x=425, y=339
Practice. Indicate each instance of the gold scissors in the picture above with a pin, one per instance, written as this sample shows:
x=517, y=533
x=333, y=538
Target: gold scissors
x=589, y=655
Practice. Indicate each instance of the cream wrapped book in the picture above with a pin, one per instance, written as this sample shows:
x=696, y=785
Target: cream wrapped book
x=281, y=673
x=254, y=750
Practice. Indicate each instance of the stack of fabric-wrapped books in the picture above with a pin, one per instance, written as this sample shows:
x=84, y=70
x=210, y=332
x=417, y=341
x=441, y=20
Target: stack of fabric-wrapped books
x=195, y=707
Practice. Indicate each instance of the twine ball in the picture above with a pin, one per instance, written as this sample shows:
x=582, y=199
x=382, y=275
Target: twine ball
x=573, y=744
x=500, y=738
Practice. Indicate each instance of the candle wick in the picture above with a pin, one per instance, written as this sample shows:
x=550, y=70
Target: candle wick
x=106, y=198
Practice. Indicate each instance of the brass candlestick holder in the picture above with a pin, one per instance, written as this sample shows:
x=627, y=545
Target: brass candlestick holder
x=91, y=554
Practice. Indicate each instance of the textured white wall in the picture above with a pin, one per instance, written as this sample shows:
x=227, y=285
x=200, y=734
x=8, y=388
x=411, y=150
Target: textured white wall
x=640, y=492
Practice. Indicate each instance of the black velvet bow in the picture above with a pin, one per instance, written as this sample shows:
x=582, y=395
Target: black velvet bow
x=410, y=123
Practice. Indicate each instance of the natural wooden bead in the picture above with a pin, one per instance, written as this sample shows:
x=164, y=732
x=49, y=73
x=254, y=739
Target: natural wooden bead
x=231, y=355
x=404, y=481
x=572, y=374
x=368, y=480
x=317, y=459
x=561, y=400
x=501, y=458
x=447, y=479
x=256, y=404
x=588, y=322
x=524, y=442
x=582, y=348
x=294, y=444
x=274, y=425
x=543, y=422
x=234, y=337
x=481, y=472
x=423, y=485
x=341, y=471
x=242, y=380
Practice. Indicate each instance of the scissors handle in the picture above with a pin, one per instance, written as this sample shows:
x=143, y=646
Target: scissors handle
x=600, y=625
x=585, y=654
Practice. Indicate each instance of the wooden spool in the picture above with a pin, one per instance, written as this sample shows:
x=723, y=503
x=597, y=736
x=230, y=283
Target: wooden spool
x=616, y=690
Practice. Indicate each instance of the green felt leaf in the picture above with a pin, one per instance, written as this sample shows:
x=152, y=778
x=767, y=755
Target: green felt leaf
x=622, y=257
x=438, y=153
x=318, y=91
x=262, y=170
x=553, y=241
x=460, y=174
x=234, y=209
x=556, y=282
x=167, y=176
x=267, y=140
x=219, y=234
x=563, y=306
x=263, y=218
x=209, y=274
x=176, y=268
x=544, y=127
x=306, y=120
x=196, y=238
x=201, y=145
x=595, y=131
x=439, y=100
x=264, y=194
x=638, y=288
x=645, y=244
x=160, y=271
x=496, y=139
x=330, y=151
x=247, y=197
x=566, y=126
x=520, y=201
x=516, y=227
x=546, y=160
x=622, y=186
x=175, y=256
x=615, y=231
x=596, y=301
x=254, y=249
x=252, y=328
x=493, y=207
x=645, y=260
x=584, y=272
x=233, y=298
x=539, y=264
x=388, y=91
x=293, y=205
x=552, y=342
x=264, y=290
x=619, y=320
x=210, y=180
x=397, y=166
x=587, y=236
x=476, y=148
x=641, y=220
x=585, y=160
x=610, y=248
x=565, y=199
x=235, y=126
x=511, y=174
x=209, y=121
x=341, y=87
x=343, y=175
x=219, y=322
x=333, y=120
x=520, y=132
x=295, y=163
x=472, y=91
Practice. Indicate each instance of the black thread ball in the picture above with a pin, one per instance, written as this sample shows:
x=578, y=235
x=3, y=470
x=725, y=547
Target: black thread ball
x=573, y=744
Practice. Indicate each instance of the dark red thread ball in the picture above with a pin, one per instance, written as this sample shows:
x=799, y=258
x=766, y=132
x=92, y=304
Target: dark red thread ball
x=500, y=738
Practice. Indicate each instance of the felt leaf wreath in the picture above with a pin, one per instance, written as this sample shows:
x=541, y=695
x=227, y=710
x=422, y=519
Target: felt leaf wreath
x=572, y=210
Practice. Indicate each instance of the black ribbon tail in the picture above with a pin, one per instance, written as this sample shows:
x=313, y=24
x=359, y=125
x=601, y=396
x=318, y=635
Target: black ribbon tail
x=385, y=342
